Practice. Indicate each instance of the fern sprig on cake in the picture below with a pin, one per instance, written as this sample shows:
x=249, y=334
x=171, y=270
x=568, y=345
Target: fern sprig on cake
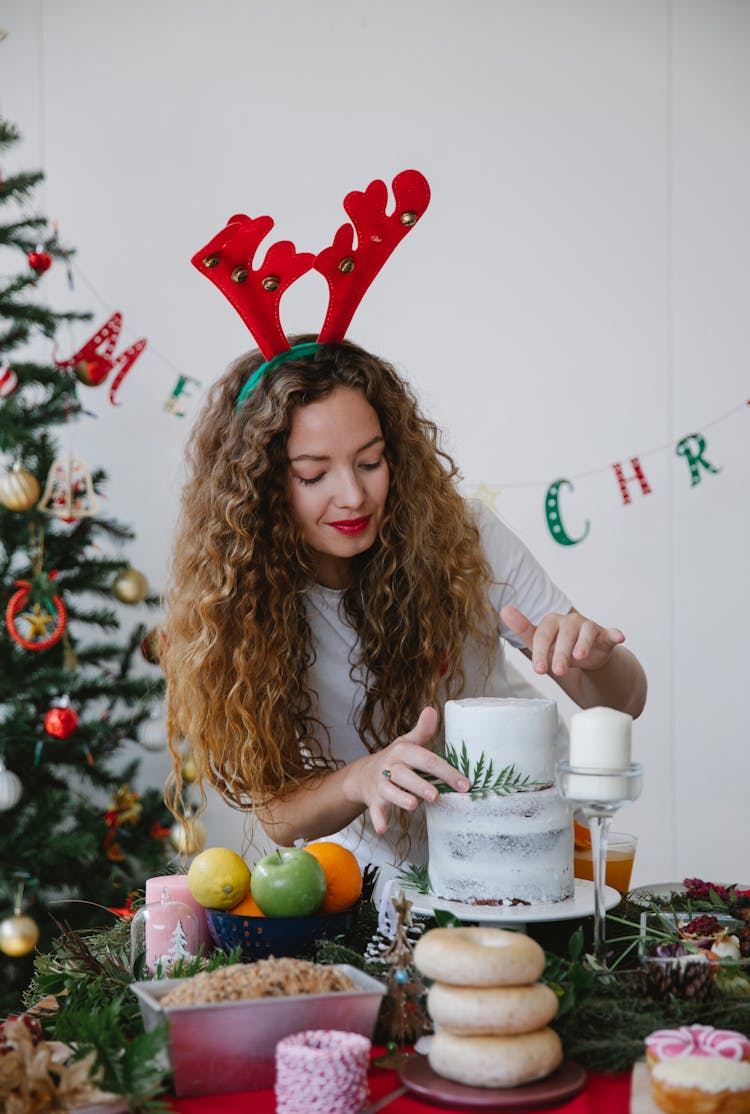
x=482, y=779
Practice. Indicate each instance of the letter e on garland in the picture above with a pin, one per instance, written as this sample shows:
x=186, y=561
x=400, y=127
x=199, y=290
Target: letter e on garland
x=173, y=405
x=623, y=481
x=554, y=518
x=692, y=447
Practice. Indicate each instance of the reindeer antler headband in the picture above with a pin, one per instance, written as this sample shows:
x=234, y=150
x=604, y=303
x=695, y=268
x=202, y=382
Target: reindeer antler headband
x=227, y=260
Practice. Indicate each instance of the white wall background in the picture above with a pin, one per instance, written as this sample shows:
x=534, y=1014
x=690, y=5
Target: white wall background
x=577, y=294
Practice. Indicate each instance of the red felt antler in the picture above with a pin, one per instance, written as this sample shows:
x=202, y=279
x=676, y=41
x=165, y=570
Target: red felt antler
x=349, y=271
x=227, y=261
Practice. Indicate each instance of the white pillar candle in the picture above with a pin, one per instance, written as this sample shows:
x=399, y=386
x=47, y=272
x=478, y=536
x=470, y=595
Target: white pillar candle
x=600, y=740
x=178, y=889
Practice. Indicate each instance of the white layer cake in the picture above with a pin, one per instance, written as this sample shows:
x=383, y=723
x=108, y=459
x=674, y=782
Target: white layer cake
x=493, y=848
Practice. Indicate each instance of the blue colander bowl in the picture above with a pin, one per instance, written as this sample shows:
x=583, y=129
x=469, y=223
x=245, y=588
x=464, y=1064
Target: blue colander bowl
x=263, y=936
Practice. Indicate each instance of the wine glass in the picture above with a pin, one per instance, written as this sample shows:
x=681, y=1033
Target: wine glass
x=599, y=794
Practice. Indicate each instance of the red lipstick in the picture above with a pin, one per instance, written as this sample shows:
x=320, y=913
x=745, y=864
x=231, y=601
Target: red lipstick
x=351, y=525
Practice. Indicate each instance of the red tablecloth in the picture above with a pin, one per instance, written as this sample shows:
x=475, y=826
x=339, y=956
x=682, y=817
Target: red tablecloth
x=604, y=1094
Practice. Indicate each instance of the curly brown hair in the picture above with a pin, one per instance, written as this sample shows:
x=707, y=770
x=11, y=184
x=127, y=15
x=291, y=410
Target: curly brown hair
x=238, y=643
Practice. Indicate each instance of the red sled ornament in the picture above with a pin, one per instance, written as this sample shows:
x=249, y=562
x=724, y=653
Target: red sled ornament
x=93, y=363
x=47, y=608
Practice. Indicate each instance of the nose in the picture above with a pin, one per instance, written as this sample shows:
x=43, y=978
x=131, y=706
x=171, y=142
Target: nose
x=349, y=490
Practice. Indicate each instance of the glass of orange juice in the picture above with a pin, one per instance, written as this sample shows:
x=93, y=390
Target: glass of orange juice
x=620, y=855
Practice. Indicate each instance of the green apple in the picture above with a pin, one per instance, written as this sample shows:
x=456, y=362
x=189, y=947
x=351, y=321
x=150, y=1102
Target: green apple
x=288, y=883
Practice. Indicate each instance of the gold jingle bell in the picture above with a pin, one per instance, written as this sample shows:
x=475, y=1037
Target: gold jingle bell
x=188, y=836
x=18, y=935
x=19, y=490
x=130, y=586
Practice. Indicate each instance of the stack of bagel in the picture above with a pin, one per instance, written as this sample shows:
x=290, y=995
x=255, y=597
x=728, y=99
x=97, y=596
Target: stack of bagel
x=491, y=1014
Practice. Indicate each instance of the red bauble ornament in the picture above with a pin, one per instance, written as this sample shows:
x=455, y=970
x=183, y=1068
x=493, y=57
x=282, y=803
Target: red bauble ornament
x=39, y=261
x=61, y=721
x=92, y=372
x=153, y=644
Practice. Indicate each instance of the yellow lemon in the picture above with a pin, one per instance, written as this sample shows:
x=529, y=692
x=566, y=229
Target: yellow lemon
x=218, y=878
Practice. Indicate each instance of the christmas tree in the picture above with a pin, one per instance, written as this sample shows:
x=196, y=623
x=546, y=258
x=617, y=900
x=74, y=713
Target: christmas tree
x=72, y=830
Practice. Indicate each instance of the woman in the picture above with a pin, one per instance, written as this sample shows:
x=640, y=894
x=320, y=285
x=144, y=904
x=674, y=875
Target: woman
x=331, y=589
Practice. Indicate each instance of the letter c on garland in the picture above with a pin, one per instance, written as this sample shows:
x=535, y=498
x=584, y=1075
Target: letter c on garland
x=554, y=519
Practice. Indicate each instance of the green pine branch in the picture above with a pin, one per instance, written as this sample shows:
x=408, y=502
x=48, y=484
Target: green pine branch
x=483, y=781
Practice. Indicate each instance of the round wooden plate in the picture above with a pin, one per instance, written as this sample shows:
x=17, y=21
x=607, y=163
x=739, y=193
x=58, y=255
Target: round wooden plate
x=419, y=1078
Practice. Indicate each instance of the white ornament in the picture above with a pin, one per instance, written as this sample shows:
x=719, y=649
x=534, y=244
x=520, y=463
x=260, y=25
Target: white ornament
x=152, y=735
x=11, y=788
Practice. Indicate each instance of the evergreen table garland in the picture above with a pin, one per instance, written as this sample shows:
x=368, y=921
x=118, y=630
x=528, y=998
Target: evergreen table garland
x=80, y=991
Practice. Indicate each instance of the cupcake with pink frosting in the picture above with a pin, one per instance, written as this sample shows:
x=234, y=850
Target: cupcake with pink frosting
x=699, y=1070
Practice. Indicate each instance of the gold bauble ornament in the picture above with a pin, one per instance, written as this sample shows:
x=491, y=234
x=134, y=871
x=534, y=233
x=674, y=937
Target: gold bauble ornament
x=189, y=772
x=18, y=935
x=188, y=836
x=130, y=586
x=19, y=490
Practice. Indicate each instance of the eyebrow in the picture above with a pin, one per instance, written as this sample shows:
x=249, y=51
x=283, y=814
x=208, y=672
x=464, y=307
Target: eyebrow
x=363, y=448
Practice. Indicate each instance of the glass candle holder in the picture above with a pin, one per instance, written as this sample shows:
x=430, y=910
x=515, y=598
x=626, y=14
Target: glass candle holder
x=163, y=932
x=598, y=794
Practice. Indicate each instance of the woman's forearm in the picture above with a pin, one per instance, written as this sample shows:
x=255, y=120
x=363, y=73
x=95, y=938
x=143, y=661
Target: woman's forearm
x=320, y=807
x=397, y=777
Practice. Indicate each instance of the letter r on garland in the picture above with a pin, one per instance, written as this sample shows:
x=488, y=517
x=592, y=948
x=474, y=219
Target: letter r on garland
x=693, y=458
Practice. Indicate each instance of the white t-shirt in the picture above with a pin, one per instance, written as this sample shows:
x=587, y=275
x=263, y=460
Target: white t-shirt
x=337, y=690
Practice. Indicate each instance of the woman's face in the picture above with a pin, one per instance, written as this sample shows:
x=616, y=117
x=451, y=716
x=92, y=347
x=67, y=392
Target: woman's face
x=338, y=480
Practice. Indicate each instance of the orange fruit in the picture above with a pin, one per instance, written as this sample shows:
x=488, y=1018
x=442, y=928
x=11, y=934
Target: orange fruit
x=581, y=835
x=248, y=907
x=343, y=876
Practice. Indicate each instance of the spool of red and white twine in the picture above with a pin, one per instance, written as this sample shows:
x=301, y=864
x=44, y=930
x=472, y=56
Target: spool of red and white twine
x=322, y=1071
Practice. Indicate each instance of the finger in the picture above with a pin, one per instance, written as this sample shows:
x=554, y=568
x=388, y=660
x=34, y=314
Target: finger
x=379, y=814
x=565, y=647
x=409, y=780
x=544, y=639
x=424, y=729
x=614, y=634
x=519, y=624
x=587, y=637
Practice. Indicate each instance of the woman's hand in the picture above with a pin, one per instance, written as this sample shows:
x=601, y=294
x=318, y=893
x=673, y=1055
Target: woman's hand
x=389, y=778
x=558, y=642
x=587, y=661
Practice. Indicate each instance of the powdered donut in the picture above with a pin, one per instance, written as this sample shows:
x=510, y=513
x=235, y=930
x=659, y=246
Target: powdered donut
x=479, y=957
x=491, y=1010
x=495, y=1061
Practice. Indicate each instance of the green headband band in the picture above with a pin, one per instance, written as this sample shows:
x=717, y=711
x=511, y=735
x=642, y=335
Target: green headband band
x=296, y=352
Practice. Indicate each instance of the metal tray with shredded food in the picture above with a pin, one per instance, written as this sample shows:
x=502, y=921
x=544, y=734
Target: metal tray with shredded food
x=219, y=1047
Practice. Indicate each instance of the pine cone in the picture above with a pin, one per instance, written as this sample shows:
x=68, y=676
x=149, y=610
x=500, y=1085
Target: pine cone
x=694, y=981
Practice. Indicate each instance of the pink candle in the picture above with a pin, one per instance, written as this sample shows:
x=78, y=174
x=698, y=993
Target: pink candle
x=177, y=887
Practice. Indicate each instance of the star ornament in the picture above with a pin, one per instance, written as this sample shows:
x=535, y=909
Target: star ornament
x=38, y=621
x=486, y=494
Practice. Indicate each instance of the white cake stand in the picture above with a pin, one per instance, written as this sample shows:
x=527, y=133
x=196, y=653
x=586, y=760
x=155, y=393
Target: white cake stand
x=581, y=904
